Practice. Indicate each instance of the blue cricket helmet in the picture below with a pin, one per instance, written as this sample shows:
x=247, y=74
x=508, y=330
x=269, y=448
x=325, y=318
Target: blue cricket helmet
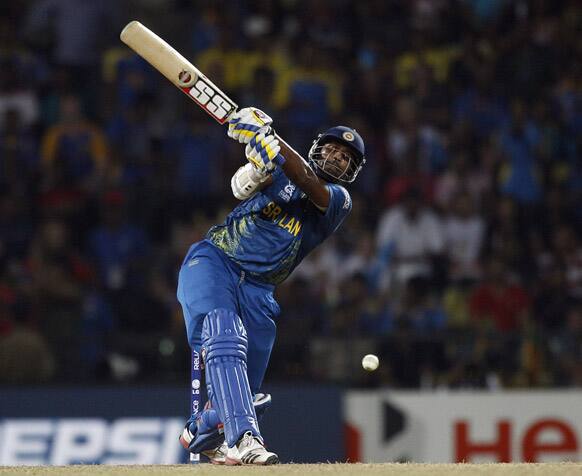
x=343, y=135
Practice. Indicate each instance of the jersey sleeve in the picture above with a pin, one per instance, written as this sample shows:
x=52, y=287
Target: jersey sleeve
x=340, y=205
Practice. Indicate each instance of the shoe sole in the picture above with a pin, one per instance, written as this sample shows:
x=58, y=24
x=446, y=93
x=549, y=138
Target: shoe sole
x=213, y=460
x=274, y=459
x=232, y=462
x=271, y=460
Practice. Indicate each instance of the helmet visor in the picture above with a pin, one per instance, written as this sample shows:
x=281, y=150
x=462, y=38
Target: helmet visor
x=337, y=161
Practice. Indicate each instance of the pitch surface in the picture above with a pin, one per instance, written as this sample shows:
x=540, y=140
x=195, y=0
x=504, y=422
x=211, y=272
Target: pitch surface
x=396, y=469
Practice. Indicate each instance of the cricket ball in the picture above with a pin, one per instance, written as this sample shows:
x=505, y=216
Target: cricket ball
x=370, y=362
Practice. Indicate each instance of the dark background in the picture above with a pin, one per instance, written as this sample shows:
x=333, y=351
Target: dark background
x=460, y=266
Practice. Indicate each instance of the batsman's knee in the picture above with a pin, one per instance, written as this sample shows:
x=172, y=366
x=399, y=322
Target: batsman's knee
x=224, y=335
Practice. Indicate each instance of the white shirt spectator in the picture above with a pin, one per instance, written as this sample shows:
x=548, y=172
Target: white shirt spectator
x=415, y=239
x=24, y=102
x=463, y=239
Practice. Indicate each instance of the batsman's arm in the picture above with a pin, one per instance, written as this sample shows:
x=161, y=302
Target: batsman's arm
x=302, y=175
x=252, y=126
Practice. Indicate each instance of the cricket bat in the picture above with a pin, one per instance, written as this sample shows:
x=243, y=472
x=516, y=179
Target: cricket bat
x=203, y=92
x=183, y=74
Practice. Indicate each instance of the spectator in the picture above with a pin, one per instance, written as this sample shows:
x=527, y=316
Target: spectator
x=414, y=234
x=519, y=142
x=77, y=144
x=131, y=129
x=59, y=275
x=408, y=136
x=462, y=177
x=25, y=357
x=456, y=305
x=498, y=303
x=200, y=160
x=18, y=154
x=552, y=301
x=359, y=311
x=309, y=94
x=506, y=235
x=408, y=175
x=565, y=351
x=16, y=95
x=418, y=311
x=16, y=230
x=117, y=247
x=479, y=108
x=463, y=234
x=72, y=33
x=567, y=255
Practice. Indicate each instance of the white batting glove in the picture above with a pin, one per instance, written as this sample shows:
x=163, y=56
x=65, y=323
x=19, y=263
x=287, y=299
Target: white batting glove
x=263, y=152
x=246, y=180
x=248, y=122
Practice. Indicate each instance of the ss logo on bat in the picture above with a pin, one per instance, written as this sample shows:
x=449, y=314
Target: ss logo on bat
x=212, y=100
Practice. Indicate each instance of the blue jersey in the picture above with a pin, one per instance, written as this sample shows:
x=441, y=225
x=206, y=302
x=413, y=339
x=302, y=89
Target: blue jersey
x=270, y=233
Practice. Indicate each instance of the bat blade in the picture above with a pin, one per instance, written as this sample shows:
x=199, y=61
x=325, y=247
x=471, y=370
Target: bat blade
x=181, y=72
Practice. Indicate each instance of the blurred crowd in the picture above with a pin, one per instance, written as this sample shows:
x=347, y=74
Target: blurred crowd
x=460, y=266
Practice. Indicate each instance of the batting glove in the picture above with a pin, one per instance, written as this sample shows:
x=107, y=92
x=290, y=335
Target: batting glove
x=246, y=180
x=263, y=152
x=248, y=122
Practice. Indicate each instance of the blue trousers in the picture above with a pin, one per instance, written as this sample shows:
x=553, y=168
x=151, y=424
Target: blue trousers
x=209, y=280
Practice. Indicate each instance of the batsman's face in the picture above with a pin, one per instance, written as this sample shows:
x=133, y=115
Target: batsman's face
x=337, y=158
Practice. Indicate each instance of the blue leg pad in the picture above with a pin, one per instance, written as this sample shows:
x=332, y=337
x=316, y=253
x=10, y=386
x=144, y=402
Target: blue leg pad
x=224, y=340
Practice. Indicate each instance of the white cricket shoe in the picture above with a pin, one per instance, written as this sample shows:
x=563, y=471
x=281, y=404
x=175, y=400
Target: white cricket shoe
x=217, y=455
x=250, y=451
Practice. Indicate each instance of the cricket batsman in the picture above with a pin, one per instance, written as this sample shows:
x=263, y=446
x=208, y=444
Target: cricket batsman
x=226, y=282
